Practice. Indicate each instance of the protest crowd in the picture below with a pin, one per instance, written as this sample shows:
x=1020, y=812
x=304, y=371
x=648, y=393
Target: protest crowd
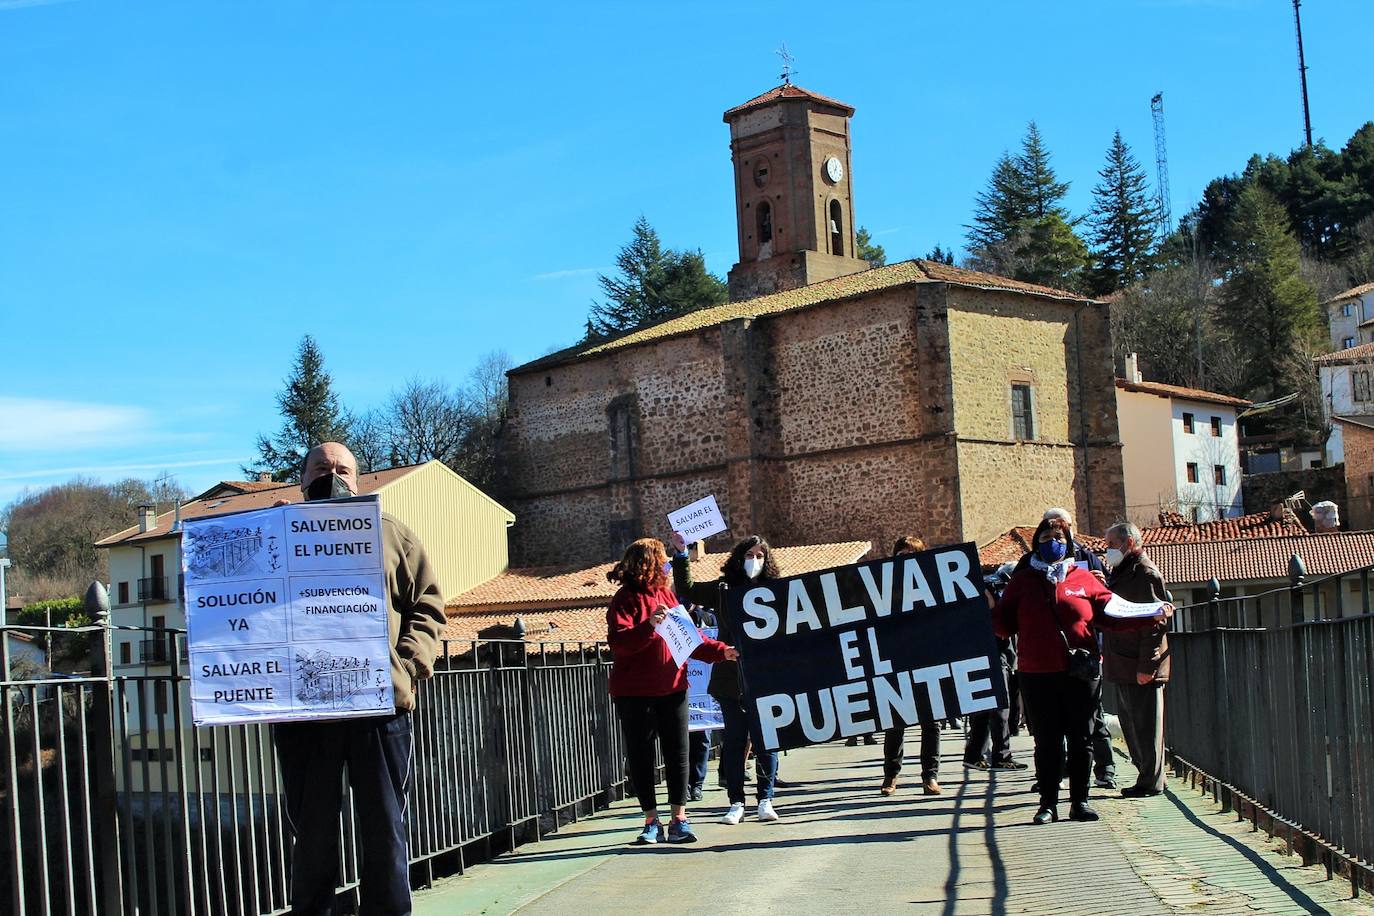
x=1055, y=626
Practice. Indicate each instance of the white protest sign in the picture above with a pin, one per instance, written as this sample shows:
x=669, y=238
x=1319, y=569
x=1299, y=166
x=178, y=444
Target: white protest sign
x=681, y=635
x=703, y=712
x=1120, y=607
x=286, y=613
x=698, y=521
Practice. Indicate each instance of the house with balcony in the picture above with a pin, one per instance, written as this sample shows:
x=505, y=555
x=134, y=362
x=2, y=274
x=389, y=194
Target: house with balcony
x=464, y=532
x=1180, y=449
x=1347, y=380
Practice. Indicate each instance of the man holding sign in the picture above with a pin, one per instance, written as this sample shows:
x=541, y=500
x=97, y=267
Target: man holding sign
x=1137, y=661
x=376, y=750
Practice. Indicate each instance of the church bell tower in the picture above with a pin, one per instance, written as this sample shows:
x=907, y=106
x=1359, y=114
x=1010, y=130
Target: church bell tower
x=793, y=204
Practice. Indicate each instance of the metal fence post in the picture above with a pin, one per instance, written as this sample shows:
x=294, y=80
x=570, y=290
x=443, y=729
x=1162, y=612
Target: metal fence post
x=1213, y=611
x=1297, y=572
x=104, y=804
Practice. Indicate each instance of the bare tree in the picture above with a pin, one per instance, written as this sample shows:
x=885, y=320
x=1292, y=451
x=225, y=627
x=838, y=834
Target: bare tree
x=426, y=421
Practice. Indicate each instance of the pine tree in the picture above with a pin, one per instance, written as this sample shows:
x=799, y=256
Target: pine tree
x=311, y=413
x=652, y=284
x=866, y=250
x=1043, y=191
x=940, y=255
x=1266, y=305
x=1122, y=220
x=1051, y=254
x=1002, y=209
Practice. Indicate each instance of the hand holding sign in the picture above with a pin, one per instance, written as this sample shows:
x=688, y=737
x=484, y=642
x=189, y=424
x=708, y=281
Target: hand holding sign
x=674, y=625
x=1122, y=609
x=696, y=522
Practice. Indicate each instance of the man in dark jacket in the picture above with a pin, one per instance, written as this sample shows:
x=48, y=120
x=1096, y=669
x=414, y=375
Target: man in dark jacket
x=1137, y=662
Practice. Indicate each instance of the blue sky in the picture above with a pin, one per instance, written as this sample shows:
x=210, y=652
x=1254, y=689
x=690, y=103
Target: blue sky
x=187, y=188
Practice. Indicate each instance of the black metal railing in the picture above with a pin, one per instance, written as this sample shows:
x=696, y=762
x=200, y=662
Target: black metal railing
x=1274, y=694
x=114, y=802
x=154, y=589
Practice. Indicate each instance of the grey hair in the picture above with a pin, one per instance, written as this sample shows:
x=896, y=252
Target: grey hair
x=1057, y=512
x=1126, y=531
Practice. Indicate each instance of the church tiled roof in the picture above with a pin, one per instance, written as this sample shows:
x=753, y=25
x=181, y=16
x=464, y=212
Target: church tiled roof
x=878, y=279
x=787, y=91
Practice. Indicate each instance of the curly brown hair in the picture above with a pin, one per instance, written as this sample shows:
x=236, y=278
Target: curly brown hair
x=908, y=544
x=642, y=565
x=733, y=567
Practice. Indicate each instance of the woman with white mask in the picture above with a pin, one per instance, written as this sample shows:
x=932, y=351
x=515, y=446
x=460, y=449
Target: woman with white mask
x=751, y=560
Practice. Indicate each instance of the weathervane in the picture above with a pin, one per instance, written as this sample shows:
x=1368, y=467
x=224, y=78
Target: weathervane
x=787, y=61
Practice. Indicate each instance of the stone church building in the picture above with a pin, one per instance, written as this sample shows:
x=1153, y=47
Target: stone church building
x=826, y=401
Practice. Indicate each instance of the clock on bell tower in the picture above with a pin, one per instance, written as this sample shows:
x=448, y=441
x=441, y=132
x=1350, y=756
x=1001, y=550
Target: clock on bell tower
x=793, y=203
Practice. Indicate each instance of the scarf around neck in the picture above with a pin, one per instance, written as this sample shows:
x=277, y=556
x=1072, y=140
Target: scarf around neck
x=1055, y=572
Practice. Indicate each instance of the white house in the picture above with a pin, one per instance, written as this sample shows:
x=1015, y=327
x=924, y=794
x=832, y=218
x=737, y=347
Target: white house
x=1180, y=449
x=1347, y=379
x=1351, y=317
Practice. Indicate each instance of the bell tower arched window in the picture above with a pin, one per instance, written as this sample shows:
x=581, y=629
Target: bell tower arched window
x=836, y=229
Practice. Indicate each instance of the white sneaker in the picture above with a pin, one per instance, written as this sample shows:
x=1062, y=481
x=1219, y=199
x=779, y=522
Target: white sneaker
x=766, y=812
x=734, y=815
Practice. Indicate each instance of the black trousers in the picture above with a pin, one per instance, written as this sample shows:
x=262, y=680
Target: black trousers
x=894, y=749
x=378, y=753
x=1060, y=709
x=991, y=729
x=644, y=720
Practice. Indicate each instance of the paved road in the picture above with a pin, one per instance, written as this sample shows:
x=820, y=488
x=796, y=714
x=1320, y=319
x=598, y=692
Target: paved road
x=842, y=848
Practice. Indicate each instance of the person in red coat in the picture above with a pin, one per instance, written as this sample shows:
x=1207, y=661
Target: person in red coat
x=649, y=688
x=1053, y=605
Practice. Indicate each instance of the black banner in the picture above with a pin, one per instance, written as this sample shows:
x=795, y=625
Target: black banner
x=856, y=649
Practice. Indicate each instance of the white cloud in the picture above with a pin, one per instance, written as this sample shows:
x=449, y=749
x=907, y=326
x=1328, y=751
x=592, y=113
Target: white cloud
x=563, y=274
x=122, y=469
x=41, y=424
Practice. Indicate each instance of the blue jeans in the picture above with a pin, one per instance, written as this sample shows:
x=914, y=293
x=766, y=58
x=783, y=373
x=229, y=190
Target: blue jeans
x=736, y=738
x=699, y=756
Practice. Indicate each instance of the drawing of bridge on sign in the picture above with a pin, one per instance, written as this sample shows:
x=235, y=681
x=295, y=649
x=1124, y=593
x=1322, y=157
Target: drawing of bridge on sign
x=325, y=680
x=222, y=552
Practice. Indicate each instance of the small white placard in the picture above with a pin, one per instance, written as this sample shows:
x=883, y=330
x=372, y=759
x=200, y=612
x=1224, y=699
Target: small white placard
x=681, y=635
x=698, y=521
x=1120, y=607
x=703, y=712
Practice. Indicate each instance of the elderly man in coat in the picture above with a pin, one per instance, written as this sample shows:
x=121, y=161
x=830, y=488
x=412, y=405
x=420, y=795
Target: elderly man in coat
x=1137, y=661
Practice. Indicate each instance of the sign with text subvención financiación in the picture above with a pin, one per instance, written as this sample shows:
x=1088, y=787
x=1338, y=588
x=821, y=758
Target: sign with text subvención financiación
x=286, y=613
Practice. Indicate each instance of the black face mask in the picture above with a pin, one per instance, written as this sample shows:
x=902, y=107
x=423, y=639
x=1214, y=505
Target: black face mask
x=330, y=486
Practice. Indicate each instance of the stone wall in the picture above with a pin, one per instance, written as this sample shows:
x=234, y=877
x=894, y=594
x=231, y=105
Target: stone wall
x=836, y=422
x=1262, y=491
x=1357, y=513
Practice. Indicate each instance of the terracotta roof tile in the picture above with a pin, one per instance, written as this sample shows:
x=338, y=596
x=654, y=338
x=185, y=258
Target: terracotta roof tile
x=587, y=624
x=891, y=276
x=1352, y=293
x=786, y=91
x=1185, y=394
x=1366, y=421
x=1357, y=354
x=1264, y=557
x=1173, y=528
x=1013, y=544
x=256, y=499
x=560, y=587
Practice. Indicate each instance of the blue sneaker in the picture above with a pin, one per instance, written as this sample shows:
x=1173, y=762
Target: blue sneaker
x=652, y=833
x=680, y=831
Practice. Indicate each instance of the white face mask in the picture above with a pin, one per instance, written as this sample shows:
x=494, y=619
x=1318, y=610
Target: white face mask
x=753, y=566
x=1114, y=556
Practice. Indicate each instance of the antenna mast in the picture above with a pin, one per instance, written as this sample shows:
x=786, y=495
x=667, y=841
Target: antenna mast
x=1165, y=216
x=1302, y=73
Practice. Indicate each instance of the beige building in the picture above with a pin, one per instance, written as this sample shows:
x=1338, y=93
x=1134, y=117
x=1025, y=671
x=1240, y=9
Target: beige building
x=914, y=398
x=463, y=530
x=1180, y=450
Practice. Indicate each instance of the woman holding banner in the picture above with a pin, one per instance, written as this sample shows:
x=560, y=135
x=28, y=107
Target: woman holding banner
x=1052, y=605
x=649, y=687
x=750, y=560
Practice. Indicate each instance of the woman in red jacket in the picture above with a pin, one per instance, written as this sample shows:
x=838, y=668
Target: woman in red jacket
x=1053, y=605
x=649, y=688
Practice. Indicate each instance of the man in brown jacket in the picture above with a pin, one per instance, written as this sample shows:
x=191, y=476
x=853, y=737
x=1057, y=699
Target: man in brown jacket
x=377, y=751
x=1137, y=661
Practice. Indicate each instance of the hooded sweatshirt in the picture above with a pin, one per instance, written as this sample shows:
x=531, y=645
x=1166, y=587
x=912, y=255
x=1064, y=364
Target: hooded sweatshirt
x=642, y=664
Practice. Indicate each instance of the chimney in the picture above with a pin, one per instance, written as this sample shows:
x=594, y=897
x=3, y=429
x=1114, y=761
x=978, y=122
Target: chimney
x=1326, y=517
x=1133, y=368
x=264, y=477
x=697, y=550
x=147, y=518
